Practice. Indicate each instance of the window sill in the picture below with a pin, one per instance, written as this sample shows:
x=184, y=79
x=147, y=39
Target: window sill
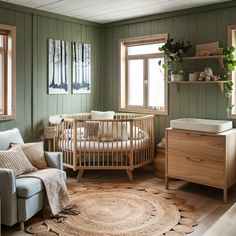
x=145, y=111
x=7, y=117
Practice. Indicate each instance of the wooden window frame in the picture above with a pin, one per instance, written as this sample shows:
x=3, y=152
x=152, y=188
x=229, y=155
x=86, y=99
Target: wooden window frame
x=124, y=58
x=9, y=81
x=3, y=52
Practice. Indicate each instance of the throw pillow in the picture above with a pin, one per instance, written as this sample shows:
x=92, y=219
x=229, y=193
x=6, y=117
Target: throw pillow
x=105, y=132
x=35, y=154
x=15, y=159
x=91, y=130
x=101, y=115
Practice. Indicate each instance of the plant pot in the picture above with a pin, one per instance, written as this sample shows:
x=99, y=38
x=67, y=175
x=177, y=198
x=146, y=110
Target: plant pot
x=176, y=77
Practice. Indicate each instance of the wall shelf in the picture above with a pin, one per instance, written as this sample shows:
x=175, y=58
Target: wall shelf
x=218, y=57
x=203, y=57
x=219, y=83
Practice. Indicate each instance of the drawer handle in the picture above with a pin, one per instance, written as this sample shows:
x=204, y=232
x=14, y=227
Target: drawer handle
x=194, y=159
x=194, y=135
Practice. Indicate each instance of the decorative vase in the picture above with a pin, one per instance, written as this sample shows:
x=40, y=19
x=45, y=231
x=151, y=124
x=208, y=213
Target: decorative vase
x=176, y=77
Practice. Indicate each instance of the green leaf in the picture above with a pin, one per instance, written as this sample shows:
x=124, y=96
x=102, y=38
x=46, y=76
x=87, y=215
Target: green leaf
x=231, y=49
x=230, y=67
x=231, y=56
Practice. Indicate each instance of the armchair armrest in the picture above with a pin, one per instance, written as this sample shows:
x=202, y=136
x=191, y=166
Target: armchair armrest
x=8, y=197
x=54, y=159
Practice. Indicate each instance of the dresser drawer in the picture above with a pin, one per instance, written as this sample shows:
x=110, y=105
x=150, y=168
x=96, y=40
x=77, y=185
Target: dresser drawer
x=198, y=170
x=199, y=145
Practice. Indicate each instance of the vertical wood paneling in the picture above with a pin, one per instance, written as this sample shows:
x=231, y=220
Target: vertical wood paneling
x=212, y=91
x=41, y=79
x=108, y=68
x=97, y=70
x=192, y=37
x=154, y=27
x=90, y=39
x=116, y=36
x=2, y=15
x=53, y=101
x=232, y=15
x=201, y=37
x=28, y=78
x=35, y=75
x=20, y=82
x=140, y=31
x=11, y=17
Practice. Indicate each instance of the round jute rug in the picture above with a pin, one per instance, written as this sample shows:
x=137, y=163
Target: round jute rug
x=124, y=212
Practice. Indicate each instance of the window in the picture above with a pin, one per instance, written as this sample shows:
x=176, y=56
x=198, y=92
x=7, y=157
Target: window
x=7, y=71
x=142, y=84
x=232, y=42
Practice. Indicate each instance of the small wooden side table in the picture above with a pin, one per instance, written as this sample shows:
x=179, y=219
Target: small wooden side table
x=159, y=163
x=50, y=137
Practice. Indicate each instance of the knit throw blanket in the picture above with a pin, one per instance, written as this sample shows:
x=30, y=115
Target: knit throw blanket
x=55, y=187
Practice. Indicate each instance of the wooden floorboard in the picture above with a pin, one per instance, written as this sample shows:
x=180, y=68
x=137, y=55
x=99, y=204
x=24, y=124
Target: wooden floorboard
x=207, y=201
x=225, y=225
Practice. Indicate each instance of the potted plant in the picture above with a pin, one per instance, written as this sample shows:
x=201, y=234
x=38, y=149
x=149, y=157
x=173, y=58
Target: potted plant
x=173, y=52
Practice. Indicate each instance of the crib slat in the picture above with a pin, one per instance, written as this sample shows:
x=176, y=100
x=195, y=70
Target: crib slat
x=74, y=141
x=131, y=144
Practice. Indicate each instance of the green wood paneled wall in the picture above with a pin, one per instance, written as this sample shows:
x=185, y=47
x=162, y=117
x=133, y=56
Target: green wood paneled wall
x=33, y=104
x=202, y=101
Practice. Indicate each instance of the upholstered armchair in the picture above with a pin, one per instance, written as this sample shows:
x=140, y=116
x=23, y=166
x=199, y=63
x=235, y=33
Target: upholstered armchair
x=22, y=198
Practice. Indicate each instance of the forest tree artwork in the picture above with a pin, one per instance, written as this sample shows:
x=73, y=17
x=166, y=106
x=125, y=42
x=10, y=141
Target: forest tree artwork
x=57, y=66
x=81, y=72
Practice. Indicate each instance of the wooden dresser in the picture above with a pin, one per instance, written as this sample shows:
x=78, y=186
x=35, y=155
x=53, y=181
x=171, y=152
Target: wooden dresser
x=199, y=157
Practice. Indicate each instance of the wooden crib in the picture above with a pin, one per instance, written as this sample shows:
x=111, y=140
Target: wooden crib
x=123, y=143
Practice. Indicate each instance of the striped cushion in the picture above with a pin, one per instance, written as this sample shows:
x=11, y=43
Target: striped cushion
x=15, y=159
x=34, y=153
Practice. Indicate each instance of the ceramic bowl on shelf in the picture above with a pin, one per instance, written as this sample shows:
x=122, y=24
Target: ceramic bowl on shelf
x=192, y=77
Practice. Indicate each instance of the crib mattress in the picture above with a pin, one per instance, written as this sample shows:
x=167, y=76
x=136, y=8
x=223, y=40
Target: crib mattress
x=98, y=146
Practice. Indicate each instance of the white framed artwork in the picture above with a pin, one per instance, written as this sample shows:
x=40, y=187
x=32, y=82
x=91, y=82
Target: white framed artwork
x=81, y=67
x=57, y=66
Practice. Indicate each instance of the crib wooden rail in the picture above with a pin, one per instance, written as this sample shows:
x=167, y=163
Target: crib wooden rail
x=125, y=142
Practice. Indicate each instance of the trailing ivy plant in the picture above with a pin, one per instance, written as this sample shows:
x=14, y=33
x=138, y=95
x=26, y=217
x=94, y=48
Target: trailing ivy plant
x=229, y=64
x=229, y=61
x=173, y=52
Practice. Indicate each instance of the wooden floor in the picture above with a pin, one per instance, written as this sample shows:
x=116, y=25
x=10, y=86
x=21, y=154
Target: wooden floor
x=207, y=201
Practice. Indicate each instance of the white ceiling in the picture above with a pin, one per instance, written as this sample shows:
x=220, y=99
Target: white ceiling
x=106, y=11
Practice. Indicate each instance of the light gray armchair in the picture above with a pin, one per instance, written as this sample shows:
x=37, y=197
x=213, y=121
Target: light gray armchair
x=22, y=198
